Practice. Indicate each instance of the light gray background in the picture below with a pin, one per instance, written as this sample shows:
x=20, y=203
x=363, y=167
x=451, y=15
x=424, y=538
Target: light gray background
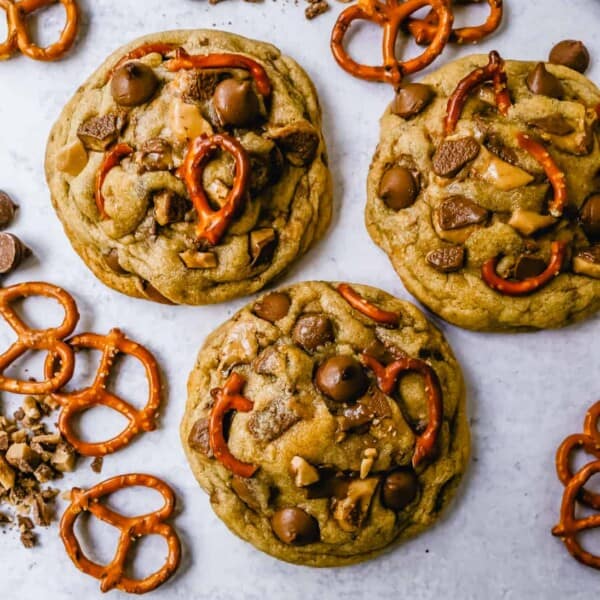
x=526, y=393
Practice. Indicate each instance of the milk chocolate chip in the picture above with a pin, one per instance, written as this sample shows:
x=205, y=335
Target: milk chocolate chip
x=133, y=84
x=571, y=53
x=272, y=307
x=457, y=211
x=12, y=252
x=411, y=99
x=452, y=155
x=399, y=489
x=529, y=266
x=342, y=379
x=589, y=216
x=7, y=210
x=540, y=81
x=295, y=526
x=398, y=188
x=312, y=331
x=447, y=259
x=236, y=103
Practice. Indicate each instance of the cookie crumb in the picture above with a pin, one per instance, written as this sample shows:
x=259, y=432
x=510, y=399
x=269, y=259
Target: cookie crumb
x=315, y=8
x=96, y=464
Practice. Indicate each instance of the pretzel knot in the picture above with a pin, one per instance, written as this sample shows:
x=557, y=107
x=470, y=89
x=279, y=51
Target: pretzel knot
x=113, y=575
x=228, y=399
x=390, y=16
x=18, y=35
x=212, y=224
x=387, y=378
x=97, y=394
x=50, y=340
x=356, y=301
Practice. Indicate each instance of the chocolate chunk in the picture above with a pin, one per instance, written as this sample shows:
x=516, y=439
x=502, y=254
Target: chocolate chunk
x=133, y=84
x=342, y=379
x=265, y=170
x=7, y=210
x=312, y=331
x=447, y=259
x=411, y=99
x=296, y=527
x=554, y=124
x=299, y=144
x=273, y=421
x=262, y=245
x=198, y=437
x=111, y=258
x=155, y=154
x=373, y=405
x=540, y=81
x=236, y=103
x=457, y=211
x=197, y=86
x=272, y=307
x=572, y=54
x=331, y=484
x=153, y=294
x=529, y=266
x=98, y=133
x=399, y=489
x=12, y=252
x=245, y=491
x=398, y=188
x=589, y=216
x=591, y=255
x=169, y=207
x=452, y=155
x=496, y=146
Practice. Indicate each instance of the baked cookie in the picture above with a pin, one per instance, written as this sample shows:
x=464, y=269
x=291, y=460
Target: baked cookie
x=191, y=167
x=484, y=192
x=350, y=432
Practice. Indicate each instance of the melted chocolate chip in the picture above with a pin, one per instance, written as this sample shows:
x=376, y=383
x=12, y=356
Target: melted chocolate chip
x=496, y=146
x=299, y=144
x=529, y=266
x=572, y=54
x=541, y=82
x=133, y=84
x=153, y=294
x=272, y=307
x=399, y=489
x=155, y=154
x=12, y=252
x=111, y=258
x=296, y=527
x=398, y=188
x=312, y=331
x=452, y=155
x=457, y=211
x=7, y=209
x=411, y=99
x=342, y=379
x=243, y=488
x=236, y=103
x=554, y=124
x=198, y=437
x=589, y=216
x=447, y=259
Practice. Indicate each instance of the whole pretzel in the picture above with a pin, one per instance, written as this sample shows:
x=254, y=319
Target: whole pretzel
x=570, y=527
x=50, y=340
x=111, y=159
x=589, y=441
x=526, y=286
x=228, y=399
x=356, y=301
x=390, y=15
x=18, y=35
x=424, y=30
x=212, y=224
x=387, y=378
x=556, y=177
x=113, y=576
x=494, y=71
x=75, y=403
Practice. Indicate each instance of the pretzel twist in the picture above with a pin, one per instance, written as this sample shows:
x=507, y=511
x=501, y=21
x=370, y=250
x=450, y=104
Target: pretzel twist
x=75, y=403
x=390, y=15
x=212, y=224
x=356, y=301
x=112, y=158
x=526, y=286
x=113, y=576
x=18, y=35
x=387, y=378
x=49, y=340
x=228, y=399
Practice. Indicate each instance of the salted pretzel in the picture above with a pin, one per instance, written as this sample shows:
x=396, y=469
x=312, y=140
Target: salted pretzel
x=113, y=575
x=556, y=177
x=390, y=15
x=112, y=158
x=227, y=399
x=212, y=224
x=569, y=526
x=589, y=441
x=50, y=340
x=356, y=301
x=494, y=71
x=424, y=29
x=74, y=403
x=387, y=378
x=18, y=35
x=489, y=275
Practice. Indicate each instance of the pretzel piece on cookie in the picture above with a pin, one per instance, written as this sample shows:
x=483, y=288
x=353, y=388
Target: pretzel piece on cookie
x=356, y=301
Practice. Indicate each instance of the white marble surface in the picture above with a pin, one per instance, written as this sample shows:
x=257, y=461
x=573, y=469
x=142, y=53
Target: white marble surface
x=526, y=393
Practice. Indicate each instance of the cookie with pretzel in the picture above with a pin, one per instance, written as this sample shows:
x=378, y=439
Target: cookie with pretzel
x=191, y=167
x=327, y=422
x=484, y=193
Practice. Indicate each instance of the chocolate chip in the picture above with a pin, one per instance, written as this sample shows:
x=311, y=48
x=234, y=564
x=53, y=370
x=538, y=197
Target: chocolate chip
x=342, y=379
x=452, y=155
x=272, y=307
x=529, y=266
x=399, y=489
x=589, y=216
x=398, y=188
x=7, y=210
x=133, y=84
x=571, y=53
x=98, y=133
x=295, y=526
x=236, y=103
x=457, y=211
x=447, y=259
x=312, y=331
x=198, y=438
x=12, y=252
x=111, y=258
x=153, y=294
x=540, y=81
x=411, y=99
x=554, y=124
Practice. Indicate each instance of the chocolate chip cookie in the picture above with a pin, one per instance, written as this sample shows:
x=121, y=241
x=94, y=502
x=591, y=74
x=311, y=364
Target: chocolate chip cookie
x=326, y=422
x=191, y=167
x=485, y=193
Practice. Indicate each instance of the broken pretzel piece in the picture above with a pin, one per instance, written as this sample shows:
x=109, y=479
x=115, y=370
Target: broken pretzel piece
x=356, y=301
